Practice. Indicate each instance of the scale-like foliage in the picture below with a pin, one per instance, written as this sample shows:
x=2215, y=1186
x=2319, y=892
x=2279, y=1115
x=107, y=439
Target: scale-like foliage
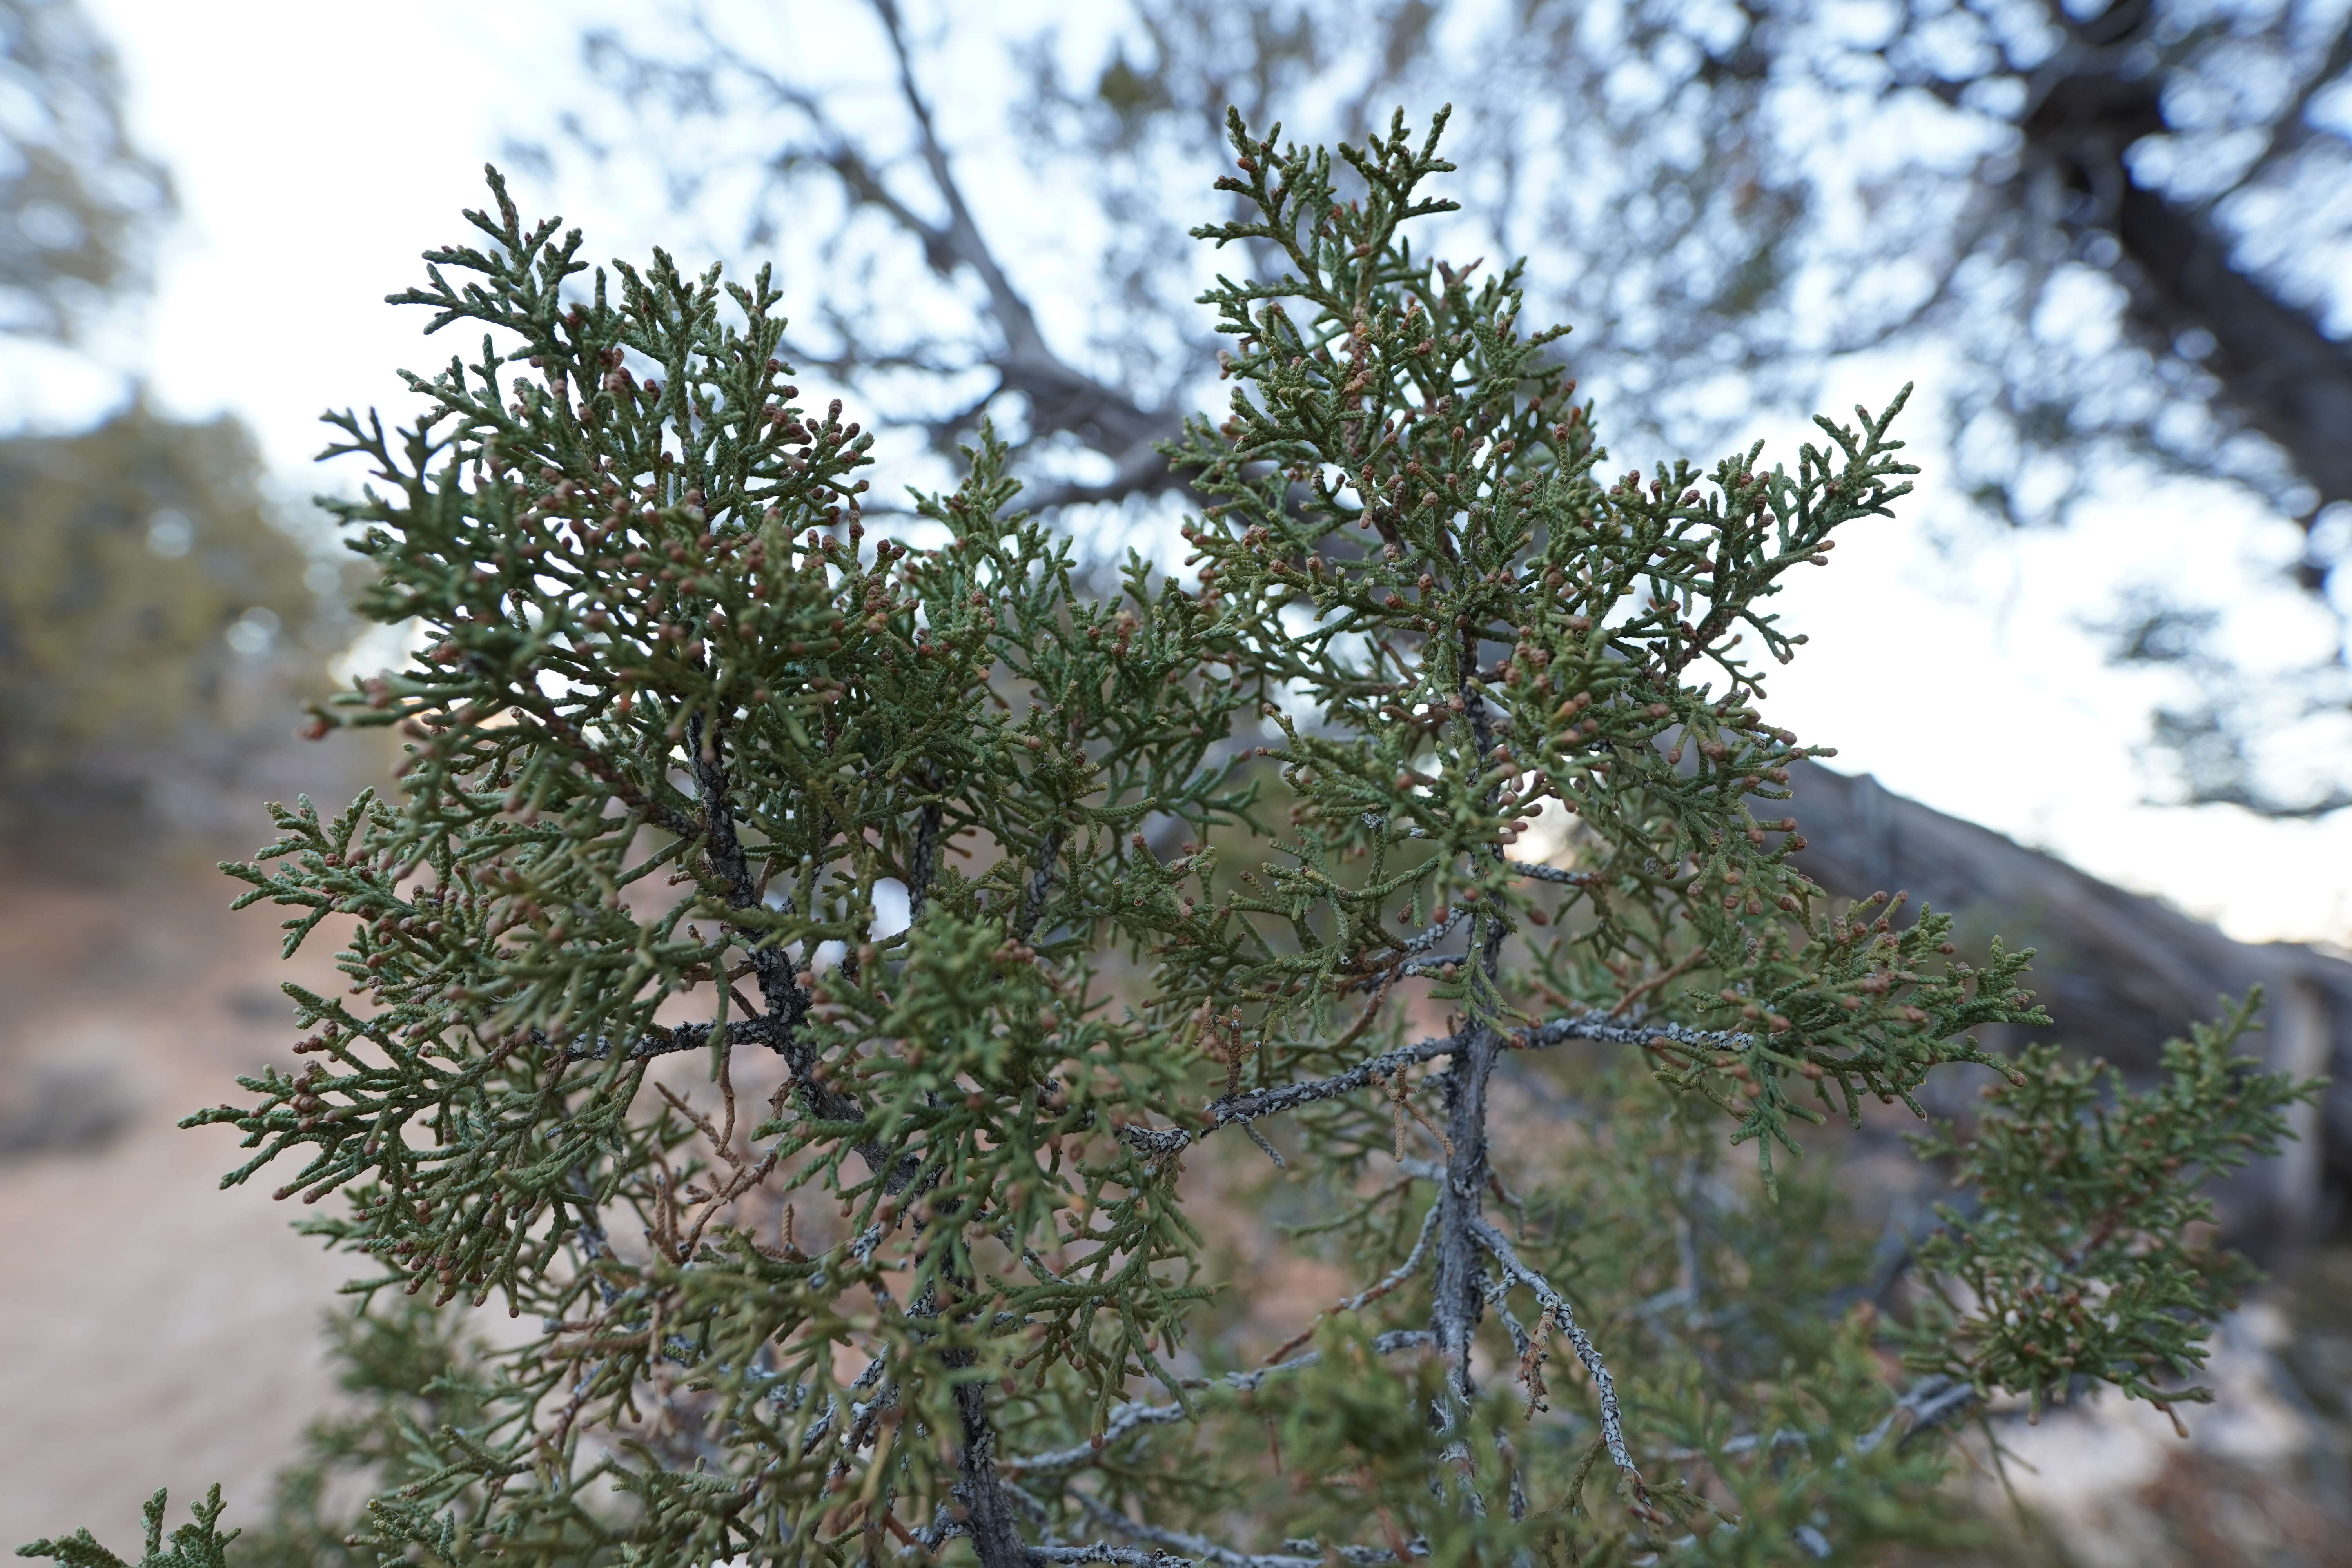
x=689, y=758
x=198, y=1545
x=2082, y=1261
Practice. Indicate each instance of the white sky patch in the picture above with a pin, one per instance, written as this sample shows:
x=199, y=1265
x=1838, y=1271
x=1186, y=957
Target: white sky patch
x=890, y=909
x=1971, y=681
x=377, y=650
x=1544, y=838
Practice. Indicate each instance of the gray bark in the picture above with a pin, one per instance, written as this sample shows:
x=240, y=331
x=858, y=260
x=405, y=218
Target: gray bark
x=2277, y=364
x=2120, y=973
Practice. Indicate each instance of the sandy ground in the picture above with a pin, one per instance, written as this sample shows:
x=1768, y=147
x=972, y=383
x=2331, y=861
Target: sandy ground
x=157, y=1332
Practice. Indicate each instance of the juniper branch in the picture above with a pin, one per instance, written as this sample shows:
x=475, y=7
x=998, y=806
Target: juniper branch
x=1132, y=1418
x=1613, y=1427
x=676, y=705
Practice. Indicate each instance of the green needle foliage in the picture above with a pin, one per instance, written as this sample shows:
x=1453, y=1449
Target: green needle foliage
x=198, y=1545
x=766, y=987
x=2078, y=1261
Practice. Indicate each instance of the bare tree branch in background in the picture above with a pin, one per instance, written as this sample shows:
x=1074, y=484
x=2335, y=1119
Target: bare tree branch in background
x=2278, y=367
x=1002, y=346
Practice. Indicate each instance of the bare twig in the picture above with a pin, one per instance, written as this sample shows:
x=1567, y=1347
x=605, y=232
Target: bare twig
x=1401, y=1106
x=1554, y=874
x=1612, y=1428
x=1061, y=397
x=1666, y=976
x=1128, y=1418
x=1271, y=1153
x=744, y=1174
x=657, y=1040
x=1459, y=1286
x=924, y=863
x=1364, y=1298
x=1041, y=884
x=1433, y=936
x=1202, y=1550
x=1597, y=1026
x=1926, y=1405
x=1929, y=1402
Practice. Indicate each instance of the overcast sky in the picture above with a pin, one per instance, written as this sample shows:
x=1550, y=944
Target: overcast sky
x=318, y=149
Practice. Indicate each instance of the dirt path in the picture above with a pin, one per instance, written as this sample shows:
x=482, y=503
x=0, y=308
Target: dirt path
x=158, y=1331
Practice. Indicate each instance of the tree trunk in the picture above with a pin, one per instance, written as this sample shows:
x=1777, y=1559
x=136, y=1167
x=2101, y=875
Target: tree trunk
x=2278, y=367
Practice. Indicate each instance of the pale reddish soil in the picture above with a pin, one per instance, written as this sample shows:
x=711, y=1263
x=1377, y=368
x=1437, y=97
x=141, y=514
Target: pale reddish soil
x=158, y=1331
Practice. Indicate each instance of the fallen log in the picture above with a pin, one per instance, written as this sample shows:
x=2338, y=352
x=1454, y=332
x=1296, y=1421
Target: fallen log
x=2120, y=973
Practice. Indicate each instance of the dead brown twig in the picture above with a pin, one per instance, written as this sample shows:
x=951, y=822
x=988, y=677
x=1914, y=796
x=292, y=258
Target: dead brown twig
x=745, y=1174
x=1664, y=977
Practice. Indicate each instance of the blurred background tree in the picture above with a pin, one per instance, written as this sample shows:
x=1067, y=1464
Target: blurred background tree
x=154, y=613
x=159, y=616
x=80, y=205
x=2118, y=232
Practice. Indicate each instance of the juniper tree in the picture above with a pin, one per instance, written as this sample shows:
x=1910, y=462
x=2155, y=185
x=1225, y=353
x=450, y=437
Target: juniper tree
x=683, y=732
x=1694, y=227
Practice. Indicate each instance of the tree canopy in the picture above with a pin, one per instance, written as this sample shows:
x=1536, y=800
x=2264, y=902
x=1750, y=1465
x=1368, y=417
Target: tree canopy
x=77, y=200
